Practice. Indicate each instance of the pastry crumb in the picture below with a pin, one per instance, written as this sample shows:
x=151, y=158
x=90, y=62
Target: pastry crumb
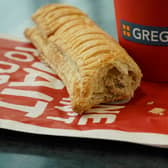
x=158, y=111
x=150, y=102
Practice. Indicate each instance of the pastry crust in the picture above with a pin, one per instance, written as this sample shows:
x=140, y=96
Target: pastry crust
x=93, y=66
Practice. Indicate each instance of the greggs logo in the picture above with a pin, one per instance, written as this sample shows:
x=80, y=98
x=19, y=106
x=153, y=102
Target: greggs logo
x=148, y=35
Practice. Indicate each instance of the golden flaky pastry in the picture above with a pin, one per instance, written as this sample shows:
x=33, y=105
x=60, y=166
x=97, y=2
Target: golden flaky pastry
x=93, y=66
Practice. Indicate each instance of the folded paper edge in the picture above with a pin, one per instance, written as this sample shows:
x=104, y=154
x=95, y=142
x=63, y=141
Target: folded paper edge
x=151, y=139
x=12, y=37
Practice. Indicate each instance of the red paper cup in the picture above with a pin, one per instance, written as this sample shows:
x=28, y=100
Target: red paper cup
x=143, y=31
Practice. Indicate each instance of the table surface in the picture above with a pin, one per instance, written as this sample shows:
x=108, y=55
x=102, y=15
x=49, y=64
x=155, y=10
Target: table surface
x=21, y=150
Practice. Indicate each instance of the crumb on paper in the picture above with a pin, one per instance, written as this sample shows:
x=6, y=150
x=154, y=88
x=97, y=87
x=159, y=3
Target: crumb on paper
x=150, y=102
x=158, y=111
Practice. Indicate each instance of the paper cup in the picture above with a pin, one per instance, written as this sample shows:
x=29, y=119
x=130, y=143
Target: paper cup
x=142, y=27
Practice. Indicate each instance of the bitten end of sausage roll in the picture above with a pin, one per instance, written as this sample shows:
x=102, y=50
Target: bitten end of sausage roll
x=93, y=66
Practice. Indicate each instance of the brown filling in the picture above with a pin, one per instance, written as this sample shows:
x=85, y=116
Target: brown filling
x=117, y=86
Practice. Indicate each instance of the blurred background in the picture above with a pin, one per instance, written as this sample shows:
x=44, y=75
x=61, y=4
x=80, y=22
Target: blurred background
x=15, y=15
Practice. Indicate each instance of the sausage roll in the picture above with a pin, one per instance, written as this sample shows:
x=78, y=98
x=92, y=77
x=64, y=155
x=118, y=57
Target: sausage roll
x=93, y=66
